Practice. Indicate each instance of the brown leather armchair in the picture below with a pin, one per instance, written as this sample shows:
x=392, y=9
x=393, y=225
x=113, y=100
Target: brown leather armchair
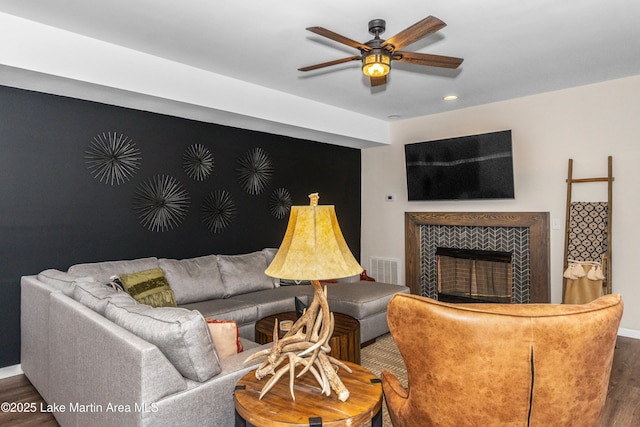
x=501, y=364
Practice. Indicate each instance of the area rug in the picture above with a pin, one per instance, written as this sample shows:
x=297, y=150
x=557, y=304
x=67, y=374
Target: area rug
x=384, y=355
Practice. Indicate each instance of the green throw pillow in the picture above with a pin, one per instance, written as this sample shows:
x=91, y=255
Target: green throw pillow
x=149, y=287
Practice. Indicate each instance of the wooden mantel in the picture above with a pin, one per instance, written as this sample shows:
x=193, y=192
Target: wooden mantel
x=539, y=249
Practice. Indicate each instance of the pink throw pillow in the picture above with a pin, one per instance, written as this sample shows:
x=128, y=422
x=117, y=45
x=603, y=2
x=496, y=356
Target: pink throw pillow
x=225, y=336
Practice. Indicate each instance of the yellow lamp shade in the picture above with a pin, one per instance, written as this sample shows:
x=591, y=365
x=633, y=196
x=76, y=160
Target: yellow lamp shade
x=313, y=247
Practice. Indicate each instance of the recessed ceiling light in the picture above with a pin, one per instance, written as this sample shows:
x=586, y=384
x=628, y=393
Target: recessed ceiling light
x=394, y=116
x=450, y=97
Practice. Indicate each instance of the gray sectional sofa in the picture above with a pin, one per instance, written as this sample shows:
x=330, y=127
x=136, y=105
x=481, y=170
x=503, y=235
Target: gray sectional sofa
x=99, y=358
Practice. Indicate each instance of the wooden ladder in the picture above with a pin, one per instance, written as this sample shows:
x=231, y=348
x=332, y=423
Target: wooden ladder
x=606, y=259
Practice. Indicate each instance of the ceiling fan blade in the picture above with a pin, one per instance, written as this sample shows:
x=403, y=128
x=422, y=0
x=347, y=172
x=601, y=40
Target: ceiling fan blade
x=338, y=38
x=428, y=59
x=378, y=81
x=329, y=63
x=428, y=25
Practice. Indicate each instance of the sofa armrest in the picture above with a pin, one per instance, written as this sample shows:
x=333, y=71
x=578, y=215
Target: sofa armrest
x=209, y=403
x=34, y=332
x=95, y=362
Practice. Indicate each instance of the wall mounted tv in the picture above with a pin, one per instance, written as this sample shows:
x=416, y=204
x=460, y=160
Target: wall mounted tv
x=467, y=167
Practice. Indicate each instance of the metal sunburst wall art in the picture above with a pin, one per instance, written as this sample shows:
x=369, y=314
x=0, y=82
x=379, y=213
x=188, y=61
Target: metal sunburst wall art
x=280, y=203
x=198, y=162
x=255, y=171
x=112, y=157
x=218, y=210
x=161, y=203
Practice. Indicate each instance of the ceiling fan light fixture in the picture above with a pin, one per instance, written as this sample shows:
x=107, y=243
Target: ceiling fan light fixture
x=376, y=63
x=376, y=54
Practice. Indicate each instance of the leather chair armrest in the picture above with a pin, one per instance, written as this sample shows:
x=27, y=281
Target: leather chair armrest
x=391, y=384
x=396, y=397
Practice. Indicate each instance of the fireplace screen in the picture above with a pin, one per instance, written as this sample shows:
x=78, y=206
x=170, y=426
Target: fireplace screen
x=468, y=275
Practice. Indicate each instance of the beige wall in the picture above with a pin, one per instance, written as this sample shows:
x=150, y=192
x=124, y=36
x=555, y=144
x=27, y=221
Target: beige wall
x=586, y=123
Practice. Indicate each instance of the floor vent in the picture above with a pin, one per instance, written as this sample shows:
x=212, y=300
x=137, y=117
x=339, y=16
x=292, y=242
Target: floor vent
x=384, y=269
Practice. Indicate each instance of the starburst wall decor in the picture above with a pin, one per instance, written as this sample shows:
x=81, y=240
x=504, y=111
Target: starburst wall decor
x=255, y=171
x=280, y=203
x=161, y=203
x=198, y=162
x=112, y=158
x=218, y=210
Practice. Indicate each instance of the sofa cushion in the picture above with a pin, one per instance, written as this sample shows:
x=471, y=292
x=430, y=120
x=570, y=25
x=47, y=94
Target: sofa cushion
x=61, y=280
x=242, y=312
x=278, y=300
x=195, y=279
x=149, y=287
x=270, y=254
x=244, y=273
x=181, y=335
x=351, y=279
x=361, y=299
x=225, y=336
x=102, y=271
x=96, y=296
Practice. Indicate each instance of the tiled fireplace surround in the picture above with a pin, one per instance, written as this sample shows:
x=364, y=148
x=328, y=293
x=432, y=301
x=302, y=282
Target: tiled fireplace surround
x=525, y=234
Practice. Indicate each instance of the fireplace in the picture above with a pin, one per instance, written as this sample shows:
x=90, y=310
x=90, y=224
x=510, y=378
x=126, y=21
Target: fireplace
x=473, y=275
x=524, y=234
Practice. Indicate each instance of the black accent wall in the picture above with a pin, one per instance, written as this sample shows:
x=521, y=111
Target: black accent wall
x=54, y=213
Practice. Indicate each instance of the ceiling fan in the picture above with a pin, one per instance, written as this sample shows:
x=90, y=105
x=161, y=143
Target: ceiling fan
x=376, y=54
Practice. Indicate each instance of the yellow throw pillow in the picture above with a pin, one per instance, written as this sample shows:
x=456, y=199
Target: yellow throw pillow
x=149, y=287
x=225, y=336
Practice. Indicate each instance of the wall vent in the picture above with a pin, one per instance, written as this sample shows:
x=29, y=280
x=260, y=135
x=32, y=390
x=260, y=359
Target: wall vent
x=384, y=269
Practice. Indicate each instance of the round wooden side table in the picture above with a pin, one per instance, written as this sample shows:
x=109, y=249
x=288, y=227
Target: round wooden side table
x=311, y=407
x=345, y=341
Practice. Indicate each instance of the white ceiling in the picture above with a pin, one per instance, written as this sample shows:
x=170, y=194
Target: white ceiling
x=510, y=48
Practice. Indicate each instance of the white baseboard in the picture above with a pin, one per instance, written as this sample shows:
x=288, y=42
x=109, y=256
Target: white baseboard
x=10, y=371
x=629, y=333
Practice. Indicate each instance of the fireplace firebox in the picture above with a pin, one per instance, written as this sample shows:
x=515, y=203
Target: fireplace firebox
x=474, y=275
x=524, y=233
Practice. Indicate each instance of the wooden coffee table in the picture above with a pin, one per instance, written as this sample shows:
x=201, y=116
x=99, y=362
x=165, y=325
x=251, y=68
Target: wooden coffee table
x=345, y=341
x=311, y=407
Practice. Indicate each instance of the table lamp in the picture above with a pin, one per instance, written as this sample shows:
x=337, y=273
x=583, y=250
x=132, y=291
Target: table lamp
x=313, y=249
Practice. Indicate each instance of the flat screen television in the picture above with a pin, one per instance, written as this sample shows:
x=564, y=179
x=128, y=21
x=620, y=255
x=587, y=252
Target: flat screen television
x=467, y=167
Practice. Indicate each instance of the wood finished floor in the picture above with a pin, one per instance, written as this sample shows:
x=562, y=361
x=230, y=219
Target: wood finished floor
x=622, y=408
